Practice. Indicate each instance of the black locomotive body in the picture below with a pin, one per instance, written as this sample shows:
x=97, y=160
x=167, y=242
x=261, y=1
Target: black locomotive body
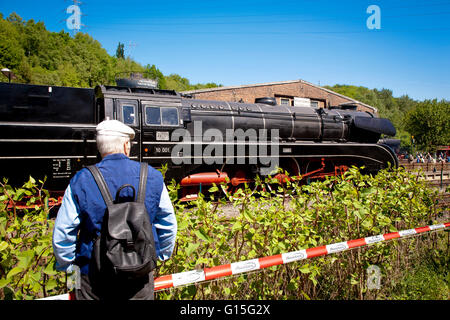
x=50, y=131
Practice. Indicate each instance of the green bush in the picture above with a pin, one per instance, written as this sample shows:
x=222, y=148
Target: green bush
x=273, y=218
x=27, y=268
x=262, y=219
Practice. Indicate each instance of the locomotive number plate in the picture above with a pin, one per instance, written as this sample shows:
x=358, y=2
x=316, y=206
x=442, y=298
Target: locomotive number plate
x=162, y=149
x=162, y=135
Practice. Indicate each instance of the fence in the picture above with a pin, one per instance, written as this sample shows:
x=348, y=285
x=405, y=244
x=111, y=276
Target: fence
x=207, y=274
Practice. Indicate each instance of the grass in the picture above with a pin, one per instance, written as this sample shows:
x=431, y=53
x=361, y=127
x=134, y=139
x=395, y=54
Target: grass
x=427, y=277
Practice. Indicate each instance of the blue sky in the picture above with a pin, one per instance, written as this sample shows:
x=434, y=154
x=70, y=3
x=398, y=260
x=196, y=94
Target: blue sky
x=241, y=42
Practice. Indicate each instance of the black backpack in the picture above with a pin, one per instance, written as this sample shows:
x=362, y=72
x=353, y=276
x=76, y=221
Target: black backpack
x=125, y=248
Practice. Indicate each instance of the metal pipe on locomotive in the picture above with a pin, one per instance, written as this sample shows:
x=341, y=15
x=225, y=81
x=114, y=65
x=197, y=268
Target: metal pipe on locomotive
x=50, y=131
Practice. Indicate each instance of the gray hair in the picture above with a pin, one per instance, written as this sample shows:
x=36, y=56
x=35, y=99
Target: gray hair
x=111, y=144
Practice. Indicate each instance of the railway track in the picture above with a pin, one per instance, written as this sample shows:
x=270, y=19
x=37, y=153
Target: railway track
x=426, y=167
x=436, y=175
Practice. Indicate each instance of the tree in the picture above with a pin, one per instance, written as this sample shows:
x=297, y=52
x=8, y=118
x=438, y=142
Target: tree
x=11, y=50
x=429, y=123
x=152, y=72
x=388, y=106
x=120, y=52
x=176, y=82
x=39, y=56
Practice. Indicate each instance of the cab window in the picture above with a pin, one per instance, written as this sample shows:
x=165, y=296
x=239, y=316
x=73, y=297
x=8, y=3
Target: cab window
x=166, y=116
x=152, y=116
x=169, y=116
x=128, y=115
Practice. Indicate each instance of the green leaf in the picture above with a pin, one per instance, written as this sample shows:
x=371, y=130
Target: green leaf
x=191, y=248
x=36, y=288
x=3, y=245
x=213, y=189
x=305, y=269
x=13, y=272
x=31, y=182
x=293, y=285
x=36, y=276
x=4, y=282
x=25, y=258
x=16, y=240
x=313, y=279
x=183, y=225
x=367, y=224
x=227, y=291
x=51, y=284
x=201, y=233
x=50, y=269
x=367, y=191
x=281, y=246
x=305, y=295
x=236, y=226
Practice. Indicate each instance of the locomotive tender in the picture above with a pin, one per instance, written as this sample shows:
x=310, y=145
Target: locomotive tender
x=50, y=131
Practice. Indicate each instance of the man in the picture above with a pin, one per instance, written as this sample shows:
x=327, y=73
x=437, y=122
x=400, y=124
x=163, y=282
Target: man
x=82, y=209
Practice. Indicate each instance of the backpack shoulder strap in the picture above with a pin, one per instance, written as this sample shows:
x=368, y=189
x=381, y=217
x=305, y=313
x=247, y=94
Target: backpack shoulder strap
x=101, y=183
x=142, y=182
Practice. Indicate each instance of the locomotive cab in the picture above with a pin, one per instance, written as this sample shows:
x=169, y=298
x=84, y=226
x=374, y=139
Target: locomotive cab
x=154, y=115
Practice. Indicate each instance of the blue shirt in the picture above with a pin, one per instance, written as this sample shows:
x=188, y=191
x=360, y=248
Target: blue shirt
x=65, y=232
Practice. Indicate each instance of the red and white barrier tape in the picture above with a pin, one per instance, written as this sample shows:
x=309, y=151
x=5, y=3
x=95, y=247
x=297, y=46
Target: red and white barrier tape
x=190, y=277
x=65, y=296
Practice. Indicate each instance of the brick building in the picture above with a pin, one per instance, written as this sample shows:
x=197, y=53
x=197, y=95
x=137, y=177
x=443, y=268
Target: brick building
x=292, y=93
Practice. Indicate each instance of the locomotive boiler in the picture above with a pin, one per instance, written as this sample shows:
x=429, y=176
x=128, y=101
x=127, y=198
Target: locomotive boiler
x=49, y=131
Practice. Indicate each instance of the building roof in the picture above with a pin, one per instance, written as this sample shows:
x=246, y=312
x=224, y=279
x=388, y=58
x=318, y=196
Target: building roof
x=278, y=83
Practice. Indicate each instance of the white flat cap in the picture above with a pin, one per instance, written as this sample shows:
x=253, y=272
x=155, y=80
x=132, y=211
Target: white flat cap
x=114, y=128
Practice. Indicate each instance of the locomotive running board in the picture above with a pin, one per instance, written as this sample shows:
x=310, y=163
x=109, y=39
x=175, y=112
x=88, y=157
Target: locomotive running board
x=377, y=155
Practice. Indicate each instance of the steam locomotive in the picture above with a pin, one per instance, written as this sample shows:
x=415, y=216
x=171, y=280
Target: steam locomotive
x=49, y=131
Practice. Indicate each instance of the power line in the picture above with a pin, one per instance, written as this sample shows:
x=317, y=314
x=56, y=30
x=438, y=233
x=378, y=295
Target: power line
x=275, y=22
x=241, y=32
x=131, y=45
x=410, y=6
x=268, y=22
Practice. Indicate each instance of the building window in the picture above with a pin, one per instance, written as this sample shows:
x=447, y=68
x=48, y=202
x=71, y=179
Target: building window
x=285, y=102
x=302, y=102
x=314, y=104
